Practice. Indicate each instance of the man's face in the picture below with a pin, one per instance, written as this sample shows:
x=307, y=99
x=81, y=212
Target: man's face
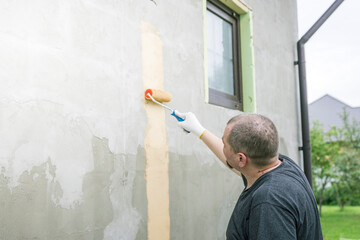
x=231, y=156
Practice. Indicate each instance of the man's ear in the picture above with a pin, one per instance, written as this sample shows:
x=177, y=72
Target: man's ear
x=242, y=159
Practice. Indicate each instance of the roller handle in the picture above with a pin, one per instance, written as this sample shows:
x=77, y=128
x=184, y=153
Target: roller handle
x=180, y=119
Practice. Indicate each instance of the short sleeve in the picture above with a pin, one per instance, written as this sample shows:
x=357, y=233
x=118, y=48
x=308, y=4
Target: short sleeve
x=268, y=221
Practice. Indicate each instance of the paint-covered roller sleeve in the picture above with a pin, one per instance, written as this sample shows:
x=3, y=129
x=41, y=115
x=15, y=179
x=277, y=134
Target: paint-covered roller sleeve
x=158, y=95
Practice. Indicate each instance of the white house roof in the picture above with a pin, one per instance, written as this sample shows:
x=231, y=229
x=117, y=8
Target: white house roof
x=327, y=110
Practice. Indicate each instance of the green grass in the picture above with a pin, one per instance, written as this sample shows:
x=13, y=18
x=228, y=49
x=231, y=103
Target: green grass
x=338, y=224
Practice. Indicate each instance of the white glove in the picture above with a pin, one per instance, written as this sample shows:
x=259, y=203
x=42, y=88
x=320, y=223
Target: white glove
x=191, y=123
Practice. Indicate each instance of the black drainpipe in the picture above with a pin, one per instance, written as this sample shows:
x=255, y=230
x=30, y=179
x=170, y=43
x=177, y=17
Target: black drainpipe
x=303, y=90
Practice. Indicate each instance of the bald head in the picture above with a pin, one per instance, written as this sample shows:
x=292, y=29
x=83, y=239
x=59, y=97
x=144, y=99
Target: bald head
x=255, y=136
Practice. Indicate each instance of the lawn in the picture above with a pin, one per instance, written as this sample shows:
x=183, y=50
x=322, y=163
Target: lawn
x=338, y=224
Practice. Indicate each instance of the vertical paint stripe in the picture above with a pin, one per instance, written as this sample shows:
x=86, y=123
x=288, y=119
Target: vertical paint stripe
x=156, y=146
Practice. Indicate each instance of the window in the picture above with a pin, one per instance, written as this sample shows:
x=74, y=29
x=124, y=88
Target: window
x=223, y=56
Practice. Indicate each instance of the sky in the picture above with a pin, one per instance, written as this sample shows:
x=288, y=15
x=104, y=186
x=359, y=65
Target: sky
x=332, y=54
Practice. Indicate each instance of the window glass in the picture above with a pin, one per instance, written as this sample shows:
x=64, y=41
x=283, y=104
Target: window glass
x=220, y=54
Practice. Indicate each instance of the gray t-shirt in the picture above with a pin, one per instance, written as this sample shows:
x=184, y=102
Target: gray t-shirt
x=279, y=205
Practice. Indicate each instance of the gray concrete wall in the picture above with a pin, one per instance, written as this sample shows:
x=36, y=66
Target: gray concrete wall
x=275, y=37
x=74, y=161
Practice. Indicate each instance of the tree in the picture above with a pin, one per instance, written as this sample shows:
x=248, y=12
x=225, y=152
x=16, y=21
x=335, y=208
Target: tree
x=347, y=168
x=347, y=177
x=351, y=132
x=324, y=153
x=336, y=161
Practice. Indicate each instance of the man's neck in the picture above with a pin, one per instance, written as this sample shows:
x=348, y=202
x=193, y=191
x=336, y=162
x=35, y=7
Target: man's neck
x=270, y=167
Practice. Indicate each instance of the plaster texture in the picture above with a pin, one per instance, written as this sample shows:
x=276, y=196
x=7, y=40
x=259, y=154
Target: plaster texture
x=73, y=119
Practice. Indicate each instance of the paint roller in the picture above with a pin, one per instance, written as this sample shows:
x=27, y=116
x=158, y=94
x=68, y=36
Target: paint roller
x=158, y=96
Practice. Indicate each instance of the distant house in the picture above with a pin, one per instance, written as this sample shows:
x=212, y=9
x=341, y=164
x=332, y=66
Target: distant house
x=327, y=111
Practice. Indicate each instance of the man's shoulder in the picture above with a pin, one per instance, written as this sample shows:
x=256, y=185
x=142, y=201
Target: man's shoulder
x=286, y=159
x=285, y=180
x=289, y=164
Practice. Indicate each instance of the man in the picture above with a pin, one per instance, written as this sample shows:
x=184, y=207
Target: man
x=277, y=202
